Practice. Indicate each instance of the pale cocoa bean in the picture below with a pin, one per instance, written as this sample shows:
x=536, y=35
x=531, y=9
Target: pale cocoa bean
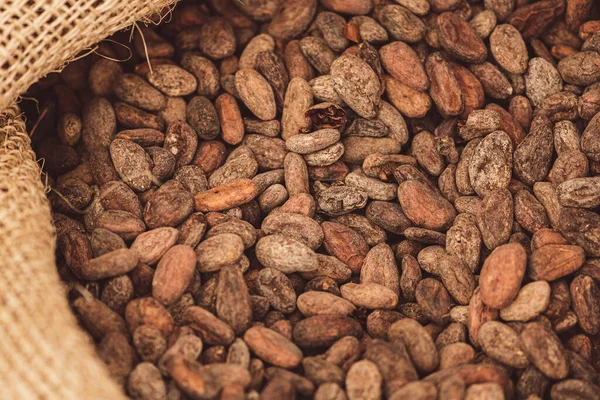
x=456, y=354
x=532, y=299
x=508, y=48
x=285, y=254
x=490, y=166
x=339, y=200
x=256, y=93
x=134, y=90
x=357, y=85
x=292, y=18
x=418, y=343
x=296, y=226
x=495, y=218
x=369, y=295
x=219, y=251
x=502, y=343
x=544, y=350
x=541, y=80
x=363, y=381
x=400, y=23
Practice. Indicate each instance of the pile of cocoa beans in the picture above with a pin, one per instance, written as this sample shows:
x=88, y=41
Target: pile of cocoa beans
x=335, y=199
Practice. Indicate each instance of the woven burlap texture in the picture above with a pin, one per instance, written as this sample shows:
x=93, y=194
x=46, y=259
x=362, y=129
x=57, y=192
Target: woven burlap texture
x=43, y=352
x=39, y=36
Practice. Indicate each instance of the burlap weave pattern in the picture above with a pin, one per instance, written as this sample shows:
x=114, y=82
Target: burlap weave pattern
x=38, y=36
x=43, y=352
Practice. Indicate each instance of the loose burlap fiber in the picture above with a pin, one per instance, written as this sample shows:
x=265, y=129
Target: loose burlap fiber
x=43, y=352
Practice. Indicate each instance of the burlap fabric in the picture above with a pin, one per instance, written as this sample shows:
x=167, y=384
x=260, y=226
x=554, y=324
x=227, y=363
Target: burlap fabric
x=43, y=353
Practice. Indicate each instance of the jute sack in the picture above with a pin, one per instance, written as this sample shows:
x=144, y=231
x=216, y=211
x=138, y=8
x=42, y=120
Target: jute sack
x=43, y=352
